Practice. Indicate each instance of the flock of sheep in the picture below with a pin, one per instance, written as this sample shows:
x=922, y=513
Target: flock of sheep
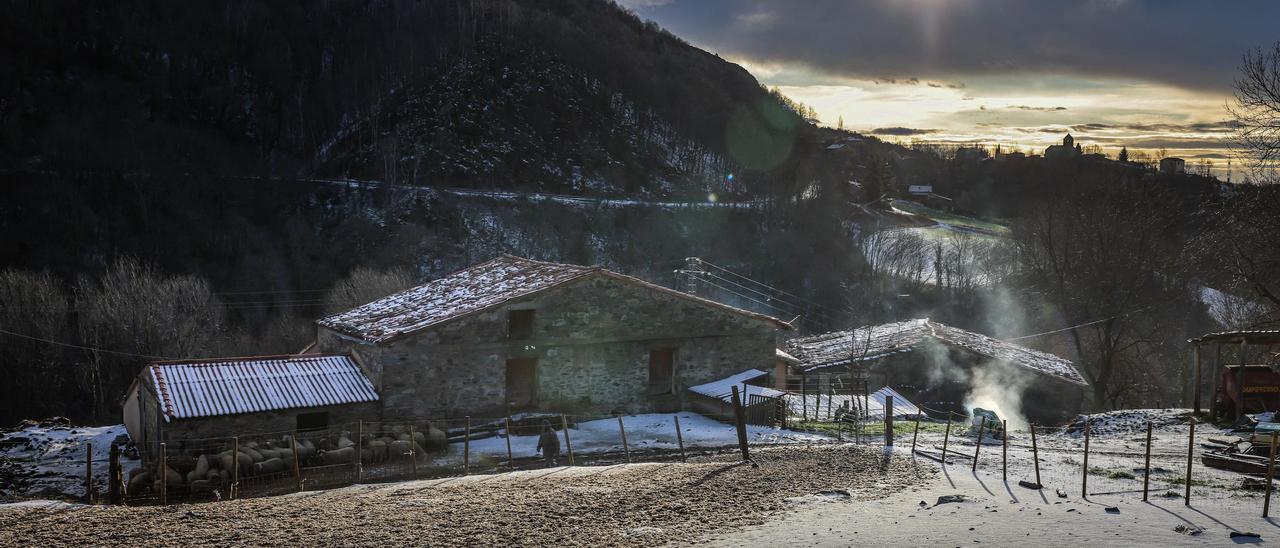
x=205, y=472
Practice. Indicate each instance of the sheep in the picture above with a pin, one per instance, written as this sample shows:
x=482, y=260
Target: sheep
x=339, y=456
x=269, y=466
x=378, y=451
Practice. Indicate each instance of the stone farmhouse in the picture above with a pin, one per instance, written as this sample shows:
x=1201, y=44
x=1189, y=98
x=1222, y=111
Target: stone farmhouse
x=515, y=334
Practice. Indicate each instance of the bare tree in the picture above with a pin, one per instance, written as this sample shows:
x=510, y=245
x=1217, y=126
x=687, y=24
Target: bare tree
x=1257, y=111
x=365, y=285
x=33, y=311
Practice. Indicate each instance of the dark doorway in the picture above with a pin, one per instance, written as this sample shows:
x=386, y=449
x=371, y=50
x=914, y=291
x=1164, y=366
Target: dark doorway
x=522, y=382
x=662, y=371
x=313, y=421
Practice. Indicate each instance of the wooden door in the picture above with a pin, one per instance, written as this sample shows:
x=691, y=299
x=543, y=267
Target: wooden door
x=522, y=382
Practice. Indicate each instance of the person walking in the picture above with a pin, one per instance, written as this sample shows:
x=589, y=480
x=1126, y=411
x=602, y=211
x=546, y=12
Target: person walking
x=549, y=443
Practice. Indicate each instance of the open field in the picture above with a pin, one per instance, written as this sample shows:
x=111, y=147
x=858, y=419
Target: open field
x=639, y=504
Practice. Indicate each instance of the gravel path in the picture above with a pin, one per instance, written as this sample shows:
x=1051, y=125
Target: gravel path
x=641, y=504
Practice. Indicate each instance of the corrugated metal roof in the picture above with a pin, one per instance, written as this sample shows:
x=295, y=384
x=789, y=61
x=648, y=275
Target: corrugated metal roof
x=722, y=389
x=877, y=341
x=206, y=388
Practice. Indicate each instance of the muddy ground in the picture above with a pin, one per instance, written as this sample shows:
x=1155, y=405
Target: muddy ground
x=641, y=504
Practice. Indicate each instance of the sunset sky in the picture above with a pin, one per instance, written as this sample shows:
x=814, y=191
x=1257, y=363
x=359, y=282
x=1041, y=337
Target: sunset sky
x=1146, y=74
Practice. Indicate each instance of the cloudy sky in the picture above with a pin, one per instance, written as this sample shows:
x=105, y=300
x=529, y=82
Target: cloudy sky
x=1146, y=74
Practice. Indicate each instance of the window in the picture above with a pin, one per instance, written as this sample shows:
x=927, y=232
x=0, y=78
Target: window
x=520, y=324
x=662, y=371
x=313, y=421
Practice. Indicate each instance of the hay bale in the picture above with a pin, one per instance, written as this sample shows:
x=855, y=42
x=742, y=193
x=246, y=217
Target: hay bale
x=173, y=476
x=246, y=462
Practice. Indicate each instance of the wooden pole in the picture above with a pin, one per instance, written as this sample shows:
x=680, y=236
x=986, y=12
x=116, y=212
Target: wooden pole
x=888, y=421
x=1035, y=454
x=680, y=438
x=742, y=424
x=564, y=423
x=1084, y=477
x=1195, y=402
x=164, y=476
x=946, y=438
x=1191, y=445
x=88, y=473
x=413, y=453
x=1271, y=474
x=1217, y=378
x=360, y=451
x=510, y=460
x=623, y=431
x=466, y=447
x=113, y=469
x=297, y=470
x=830, y=397
x=235, y=467
x=915, y=435
x=1146, y=466
x=1004, y=450
x=804, y=396
x=978, y=446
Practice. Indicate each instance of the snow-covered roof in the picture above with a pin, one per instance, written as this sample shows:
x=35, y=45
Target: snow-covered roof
x=475, y=289
x=877, y=341
x=784, y=356
x=901, y=405
x=206, y=388
x=723, y=389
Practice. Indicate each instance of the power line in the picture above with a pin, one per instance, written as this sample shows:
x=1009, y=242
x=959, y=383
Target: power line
x=1086, y=324
x=89, y=348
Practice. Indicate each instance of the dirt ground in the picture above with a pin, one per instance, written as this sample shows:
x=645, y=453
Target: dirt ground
x=641, y=504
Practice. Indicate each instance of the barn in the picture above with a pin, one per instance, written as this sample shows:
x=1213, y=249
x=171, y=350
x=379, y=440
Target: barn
x=185, y=400
x=514, y=334
x=936, y=366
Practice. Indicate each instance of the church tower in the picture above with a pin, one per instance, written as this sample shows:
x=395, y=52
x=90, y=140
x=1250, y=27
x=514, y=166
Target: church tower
x=1069, y=141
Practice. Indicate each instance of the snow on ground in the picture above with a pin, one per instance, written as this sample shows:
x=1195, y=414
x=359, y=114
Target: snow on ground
x=1129, y=421
x=644, y=432
x=49, y=460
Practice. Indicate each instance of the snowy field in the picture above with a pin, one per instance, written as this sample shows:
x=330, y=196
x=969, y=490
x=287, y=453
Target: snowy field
x=49, y=460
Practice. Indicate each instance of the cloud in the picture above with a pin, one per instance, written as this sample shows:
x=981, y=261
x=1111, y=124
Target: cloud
x=901, y=131
x=1224, y=126
x=1190, y=44
x=1038, y=109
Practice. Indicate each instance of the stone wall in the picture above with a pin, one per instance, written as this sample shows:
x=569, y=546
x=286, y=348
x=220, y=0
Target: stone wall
x=592, y=340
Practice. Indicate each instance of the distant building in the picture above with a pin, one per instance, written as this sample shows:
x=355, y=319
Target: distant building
x=1172, y=165
x=1065, y=150
x=919, y=190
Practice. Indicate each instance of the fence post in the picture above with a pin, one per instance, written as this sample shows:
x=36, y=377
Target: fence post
x=804, y=397
x=466, y=447
x=623, y=430
x=235, y=467
x=297, y=470
x=1146, y=466
x=510, y=461
x=564, y=423
x=1084, y=479
x=113, y=470
x=1271, y=474
x=360, y=451
x=1004, y=450
x=88, y=473
x=164, y=476
x=1035, y=453
x=742, y=425
x=915, y=435
x=978, y=446
x=946, y=438
x=413, y=453
x=888, y=421
x=1191, y=445
x=680, y=439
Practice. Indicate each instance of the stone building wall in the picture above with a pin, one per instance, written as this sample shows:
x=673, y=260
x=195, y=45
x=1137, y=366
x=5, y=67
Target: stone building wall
x=591, y=339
